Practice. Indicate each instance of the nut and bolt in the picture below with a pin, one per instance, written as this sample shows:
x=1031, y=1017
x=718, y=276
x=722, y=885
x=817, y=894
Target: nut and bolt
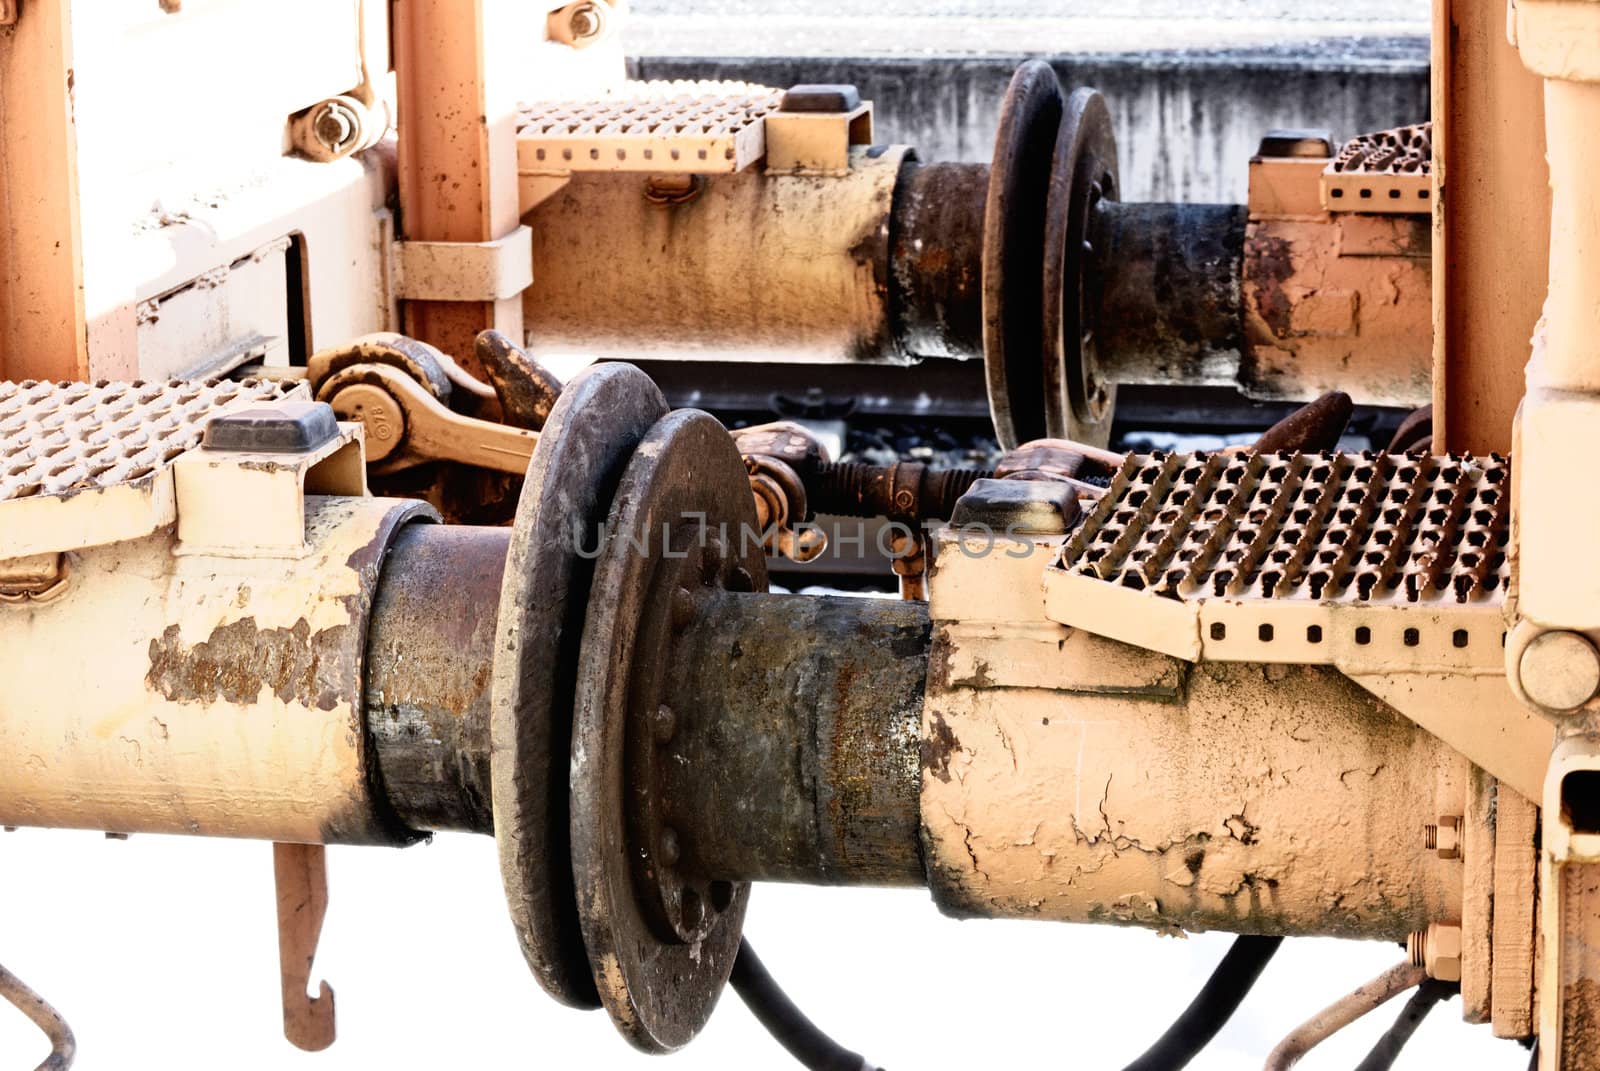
x=664, y=723
x=1437, y=950
x=1443, y=837
x=683, y=609
x=335, y=125
x=586, y=22
x=1559, y=670
x=668, y=849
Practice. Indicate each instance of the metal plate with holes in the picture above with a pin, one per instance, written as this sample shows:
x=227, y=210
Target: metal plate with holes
x=653, y=127
x=586, y=443
x=1387, y=171
x=661, y=945
x=82, y=464
x=1336, y=558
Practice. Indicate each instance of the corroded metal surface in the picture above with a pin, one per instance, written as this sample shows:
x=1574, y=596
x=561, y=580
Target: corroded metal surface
x=235, y=685
x=687, y=279
x=1167, y=277
x=1317, y=425
x=430, y=649
x=1013, y=252
x=1205, y=809
x=904, y=491
x=936, y=257
x=1334, y=301
x=796, y=757
x=660, y=949
x=300, y=874
x=586, y=444
x=527, y=389
x=1079, y=392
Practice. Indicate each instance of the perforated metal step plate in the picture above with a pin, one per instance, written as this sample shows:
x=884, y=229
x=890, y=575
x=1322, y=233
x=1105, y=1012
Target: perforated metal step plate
x=1385, y=172
x=653, y=127
x=83, y=464
x=1340, y=558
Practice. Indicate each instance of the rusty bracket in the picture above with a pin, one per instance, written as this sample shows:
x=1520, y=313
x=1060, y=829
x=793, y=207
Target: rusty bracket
x=301, y=873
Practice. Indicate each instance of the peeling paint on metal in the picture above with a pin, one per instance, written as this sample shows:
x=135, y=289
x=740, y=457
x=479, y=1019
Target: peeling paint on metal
x=238, y=660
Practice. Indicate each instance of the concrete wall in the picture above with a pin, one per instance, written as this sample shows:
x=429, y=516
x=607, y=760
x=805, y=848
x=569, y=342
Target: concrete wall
x=1186, y=123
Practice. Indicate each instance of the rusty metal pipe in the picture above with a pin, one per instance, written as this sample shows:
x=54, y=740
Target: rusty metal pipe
x=63, y=1046
x=904, y=491
x=882, y=265
x=225, y=698
x=1168, y=306
x=751, y=268
x=429, y=651
x=1365, y=998
x=796, y=755
x=936, y=258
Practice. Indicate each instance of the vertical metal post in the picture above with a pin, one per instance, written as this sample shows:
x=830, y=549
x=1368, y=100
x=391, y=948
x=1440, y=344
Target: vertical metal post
x=42, y=322
x=1491, y=225
x=457, y=156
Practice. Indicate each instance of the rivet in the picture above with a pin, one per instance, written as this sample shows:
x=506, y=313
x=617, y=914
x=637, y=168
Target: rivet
x=664, y=723
x=711, y=563
x=1560, y=670
x=668, y=850
x=694, y=912
x=682, y=609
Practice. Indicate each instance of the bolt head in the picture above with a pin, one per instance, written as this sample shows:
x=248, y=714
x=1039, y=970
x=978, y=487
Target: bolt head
x=1448, y=838
x=664, y=723
x=335, y=126
x=668, y=850
x=586, y=21
x=1560, y=670
x=683, y=609
x=1442, y=952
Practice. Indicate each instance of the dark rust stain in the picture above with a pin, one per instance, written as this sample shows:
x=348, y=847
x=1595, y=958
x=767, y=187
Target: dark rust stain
x=1268, y=265
x=981, y=678
x=936, y=747
x=240, y=659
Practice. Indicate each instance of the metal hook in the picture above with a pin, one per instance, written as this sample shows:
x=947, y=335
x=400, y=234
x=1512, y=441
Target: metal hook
x=301, y=873
x=63, y=1046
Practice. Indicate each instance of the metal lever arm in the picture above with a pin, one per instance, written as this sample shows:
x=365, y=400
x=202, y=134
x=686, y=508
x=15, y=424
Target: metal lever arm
x=407, y=426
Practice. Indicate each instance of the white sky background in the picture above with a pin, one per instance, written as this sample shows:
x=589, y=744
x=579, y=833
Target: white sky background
x=162, y=952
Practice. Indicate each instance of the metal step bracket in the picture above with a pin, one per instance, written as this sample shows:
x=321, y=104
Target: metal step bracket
x=814, y=129
x=86, y=464
x=1390, y=568
x=242, y=493
x=651, y=128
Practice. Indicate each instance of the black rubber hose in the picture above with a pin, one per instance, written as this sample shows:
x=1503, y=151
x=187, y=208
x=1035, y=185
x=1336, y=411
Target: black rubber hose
x=786, y=1023
x=1216, y=1002
x=1387, y=1050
